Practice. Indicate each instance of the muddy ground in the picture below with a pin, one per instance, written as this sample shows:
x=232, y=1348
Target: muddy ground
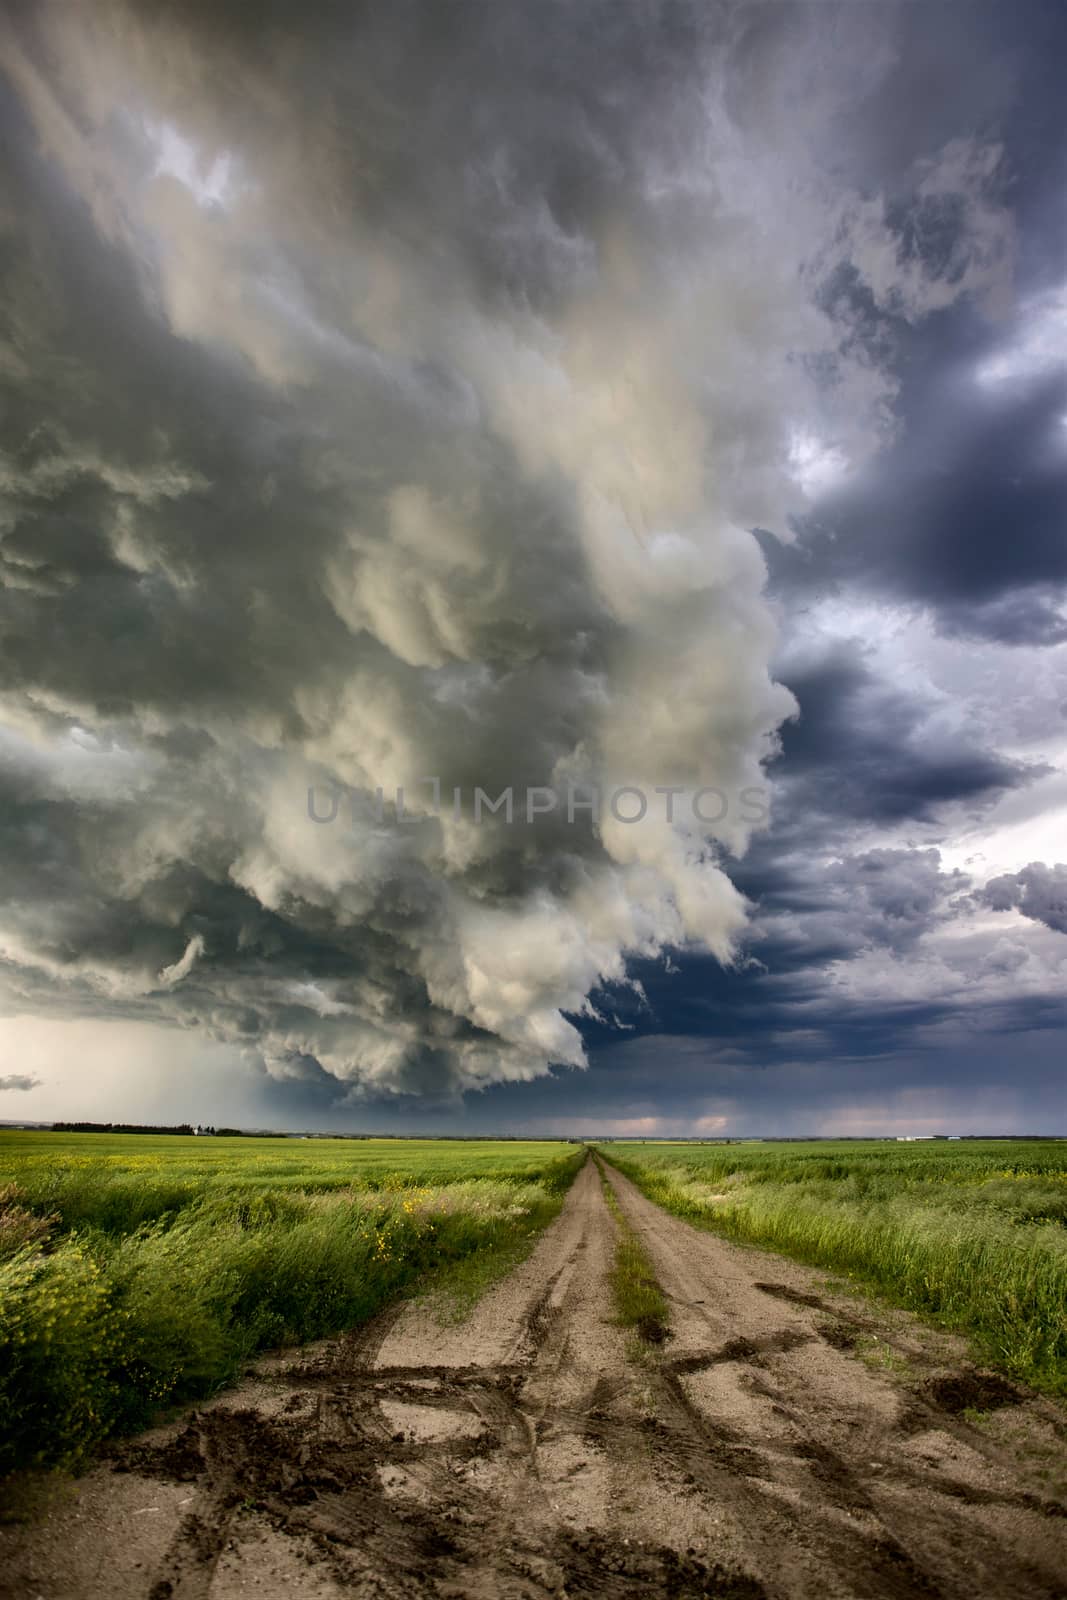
x=784, y=1442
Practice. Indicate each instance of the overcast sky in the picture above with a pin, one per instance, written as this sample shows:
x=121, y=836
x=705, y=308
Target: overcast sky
x=586, y=396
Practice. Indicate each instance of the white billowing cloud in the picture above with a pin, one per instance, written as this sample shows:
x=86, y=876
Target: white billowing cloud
x=1037, y=346
x=1038, y=891
x=816, y=465
x=181, y=969
x=959, y=967
x=212, y=184
x=506, y=382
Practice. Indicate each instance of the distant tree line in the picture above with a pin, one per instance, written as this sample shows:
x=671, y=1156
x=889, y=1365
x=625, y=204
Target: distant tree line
x=281, y=1133
x=117, y=1127
x=151, y=1127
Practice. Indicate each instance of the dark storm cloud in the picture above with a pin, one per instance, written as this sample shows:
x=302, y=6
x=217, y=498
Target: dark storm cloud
x=784, y=1047
x=386, y=393
x=965, y=515
x=18, y=1080
x=696, y=1084
x=860, y=749
x=897, y=918
x=1038, y=891
x=812, y=916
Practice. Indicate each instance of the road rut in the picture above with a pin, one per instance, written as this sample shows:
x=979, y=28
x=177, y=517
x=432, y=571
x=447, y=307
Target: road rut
x=533, y=1451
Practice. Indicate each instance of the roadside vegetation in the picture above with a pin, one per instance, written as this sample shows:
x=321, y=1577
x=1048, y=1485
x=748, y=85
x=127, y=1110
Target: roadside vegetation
x=972, y=1235
x=639, y=1301
x=137, y=1272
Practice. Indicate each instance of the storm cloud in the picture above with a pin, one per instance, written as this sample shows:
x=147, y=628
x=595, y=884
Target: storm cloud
x=18, y=1080
x=395, y=394
x=1038, y=891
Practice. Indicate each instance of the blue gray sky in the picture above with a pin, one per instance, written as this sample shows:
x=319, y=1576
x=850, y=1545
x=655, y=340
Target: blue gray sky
x=586, y=399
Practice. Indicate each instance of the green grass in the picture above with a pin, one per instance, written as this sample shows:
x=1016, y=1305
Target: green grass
x=119, y=1181
x=639, y=1301
x=970, y=1235
x=137, y=1272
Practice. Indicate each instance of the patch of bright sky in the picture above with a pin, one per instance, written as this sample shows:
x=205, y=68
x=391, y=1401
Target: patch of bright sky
x=177, y=157
x=815, y=465
x=125, y=1071
x=1025, y=825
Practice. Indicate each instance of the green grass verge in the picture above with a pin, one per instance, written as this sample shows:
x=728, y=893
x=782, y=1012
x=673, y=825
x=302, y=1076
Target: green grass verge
x=103, y=1324
x=975, y=1241
x=640, y=1303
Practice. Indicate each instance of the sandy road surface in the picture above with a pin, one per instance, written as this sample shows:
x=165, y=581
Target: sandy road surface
x=527, y=1453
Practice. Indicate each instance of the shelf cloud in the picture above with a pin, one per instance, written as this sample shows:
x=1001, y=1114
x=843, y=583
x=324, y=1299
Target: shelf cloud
x=394, y=393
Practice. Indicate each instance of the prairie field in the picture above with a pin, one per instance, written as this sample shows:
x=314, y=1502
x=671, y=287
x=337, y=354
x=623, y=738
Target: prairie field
x=971, y=1234
x=138, y=1271
x=634, y=1406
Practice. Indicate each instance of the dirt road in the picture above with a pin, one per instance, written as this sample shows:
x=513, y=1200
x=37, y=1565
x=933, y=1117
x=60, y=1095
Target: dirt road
x=530, y=1452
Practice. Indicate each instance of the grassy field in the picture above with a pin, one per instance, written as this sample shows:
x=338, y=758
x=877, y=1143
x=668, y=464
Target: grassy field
x=972, y=1235
x=137, y=1271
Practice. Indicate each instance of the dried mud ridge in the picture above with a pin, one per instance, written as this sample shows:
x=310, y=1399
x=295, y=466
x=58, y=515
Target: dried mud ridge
x=530, y=1453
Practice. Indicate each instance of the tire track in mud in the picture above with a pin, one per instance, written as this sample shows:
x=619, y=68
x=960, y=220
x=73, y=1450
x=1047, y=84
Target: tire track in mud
x=820, y=1442
x=509, y=1461
x=531, y=1451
